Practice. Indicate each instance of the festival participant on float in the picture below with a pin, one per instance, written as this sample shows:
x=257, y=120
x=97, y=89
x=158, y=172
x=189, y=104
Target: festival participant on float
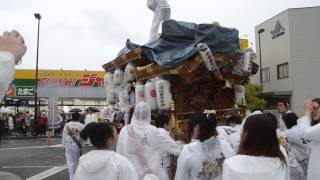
x=259, y=156
x=300, y=146
x=140, y=142
x=203, y=159
x=310, y=128
x=103, y=163
x=162, y=123
x=12, y=49
x=71, y=143
x=162, y=12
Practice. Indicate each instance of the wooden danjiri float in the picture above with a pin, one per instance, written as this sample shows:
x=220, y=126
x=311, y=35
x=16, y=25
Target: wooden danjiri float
x=202, y=81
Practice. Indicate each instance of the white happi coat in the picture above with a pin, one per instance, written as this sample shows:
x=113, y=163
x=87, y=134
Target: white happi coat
x=203, y=160
x=231, y=135
x=300, y=146
x=311, y=133
x=165, y=156
x=90, y=118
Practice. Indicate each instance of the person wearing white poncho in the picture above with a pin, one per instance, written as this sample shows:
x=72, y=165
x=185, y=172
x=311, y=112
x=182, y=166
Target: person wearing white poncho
x=260, y=156
x=299, y=146
x=162, y=123
x=90, y=117
x=12, y=48
x=282, y=108
x=140, y=142
x=203, y=159
x=103, y=163
x=231, y=132
x=310, y=128
x=69, y=145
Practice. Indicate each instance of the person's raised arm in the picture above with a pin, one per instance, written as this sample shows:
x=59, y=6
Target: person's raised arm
x=304, y=124
x=13, y=43
x=12, y=49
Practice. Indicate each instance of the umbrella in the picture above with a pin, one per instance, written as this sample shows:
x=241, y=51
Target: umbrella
x=93, y=109
x=75, y=110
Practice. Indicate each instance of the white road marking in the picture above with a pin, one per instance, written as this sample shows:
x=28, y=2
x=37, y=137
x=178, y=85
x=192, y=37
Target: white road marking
x=47, y=173
x=31, y=147
x=17, y=167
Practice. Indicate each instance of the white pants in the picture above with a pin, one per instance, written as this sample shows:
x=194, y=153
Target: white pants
x=159, y=16
x=72, y=156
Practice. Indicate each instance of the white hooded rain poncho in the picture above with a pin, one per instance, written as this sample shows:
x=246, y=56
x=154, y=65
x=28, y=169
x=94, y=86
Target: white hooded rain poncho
x=203, y=160
x=140, y=141
x=6, y=72
x=311, y=133
x=162, y=12
x=105, y=164
x=243, y=167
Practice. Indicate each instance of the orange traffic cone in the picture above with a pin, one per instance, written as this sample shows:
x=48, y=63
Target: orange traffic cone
x=49, y=140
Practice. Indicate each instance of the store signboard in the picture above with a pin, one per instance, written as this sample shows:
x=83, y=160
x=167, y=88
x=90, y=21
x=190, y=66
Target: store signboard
x=25, y=91
x=60, y=78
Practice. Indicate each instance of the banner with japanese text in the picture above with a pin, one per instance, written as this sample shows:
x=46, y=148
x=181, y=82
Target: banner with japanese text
x=60, y=78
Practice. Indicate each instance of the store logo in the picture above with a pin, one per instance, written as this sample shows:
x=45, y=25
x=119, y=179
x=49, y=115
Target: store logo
x=278, y=30
x=25, y=91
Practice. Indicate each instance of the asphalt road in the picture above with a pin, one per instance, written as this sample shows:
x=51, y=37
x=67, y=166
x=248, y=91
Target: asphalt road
x=33, y=159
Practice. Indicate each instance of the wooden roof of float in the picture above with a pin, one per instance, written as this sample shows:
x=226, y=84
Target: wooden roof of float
x=147, y=70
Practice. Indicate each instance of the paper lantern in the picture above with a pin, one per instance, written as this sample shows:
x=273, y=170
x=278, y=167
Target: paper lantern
x=113, y=94
x=239, y=94
x=129, y=72
x=118, y=77
x=124, y=96
x=248, y=56
x=140, y=92
x=164, y=96
x=209, y=60
x=108, y=81
x=151, y=94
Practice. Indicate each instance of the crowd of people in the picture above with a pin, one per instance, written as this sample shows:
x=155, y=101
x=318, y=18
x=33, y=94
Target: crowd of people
x=22, y=124
x=258, y=147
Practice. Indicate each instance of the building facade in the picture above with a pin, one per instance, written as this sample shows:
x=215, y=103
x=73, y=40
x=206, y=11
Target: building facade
x=57, y=89
x=289, y=45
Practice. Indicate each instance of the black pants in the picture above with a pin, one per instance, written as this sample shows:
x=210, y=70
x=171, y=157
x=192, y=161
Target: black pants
x=43, y=129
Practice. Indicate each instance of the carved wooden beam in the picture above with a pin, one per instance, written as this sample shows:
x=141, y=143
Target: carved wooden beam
x=123, y=60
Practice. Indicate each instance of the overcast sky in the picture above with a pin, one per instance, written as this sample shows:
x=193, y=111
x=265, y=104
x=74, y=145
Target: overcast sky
x=84, y=34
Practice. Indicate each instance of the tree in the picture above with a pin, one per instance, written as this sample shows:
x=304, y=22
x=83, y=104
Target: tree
x=253, y=99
